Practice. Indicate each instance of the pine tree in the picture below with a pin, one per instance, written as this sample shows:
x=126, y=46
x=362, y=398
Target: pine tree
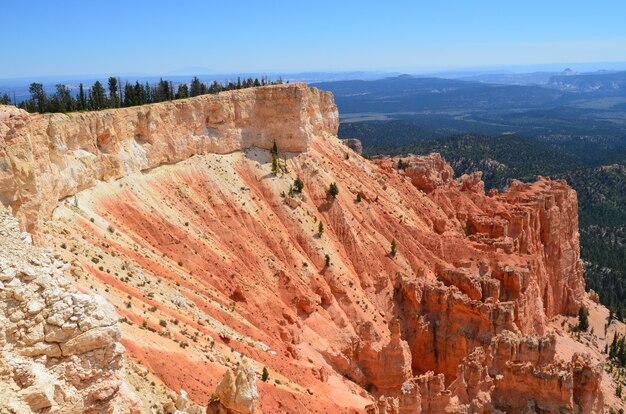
x=298, y=185
x=358, y=198
x=183, y=91
x=119, y=87
x=274, y=164
x=195, y=88
x=4, y=99
x=583, y=320
x=97, y=96
x=266, y=375
x=113, y=92
x=62, y=100
x=333, y=190
x=613, y=349
x=129, y=95
x=326, y=260
x=38, y=96
x=320, y=228
x=394, y=248
x=147, y=95
x=82, y=99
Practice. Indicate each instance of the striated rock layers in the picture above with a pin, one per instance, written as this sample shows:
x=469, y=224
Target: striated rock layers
x=214, y=259
x=59, y=348
x=47, y=157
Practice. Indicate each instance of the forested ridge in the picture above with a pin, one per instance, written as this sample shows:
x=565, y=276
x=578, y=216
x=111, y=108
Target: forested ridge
x=118, y=95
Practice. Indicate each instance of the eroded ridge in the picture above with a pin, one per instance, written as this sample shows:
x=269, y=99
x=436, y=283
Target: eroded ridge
x=234, y=267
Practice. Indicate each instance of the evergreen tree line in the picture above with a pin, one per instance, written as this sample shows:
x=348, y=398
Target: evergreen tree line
x=118, y=95
x=617, y=350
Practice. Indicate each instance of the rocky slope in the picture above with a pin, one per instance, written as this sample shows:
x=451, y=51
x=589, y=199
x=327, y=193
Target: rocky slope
x=59, y=348
x=216, y=264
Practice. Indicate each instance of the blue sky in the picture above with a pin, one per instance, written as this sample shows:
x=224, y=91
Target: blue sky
x=158, y=37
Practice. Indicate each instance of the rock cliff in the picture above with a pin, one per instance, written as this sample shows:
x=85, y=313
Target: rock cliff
x=47, y=157
x=219, y=267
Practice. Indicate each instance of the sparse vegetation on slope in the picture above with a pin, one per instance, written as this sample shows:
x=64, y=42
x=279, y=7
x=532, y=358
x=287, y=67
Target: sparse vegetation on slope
x=601, y=188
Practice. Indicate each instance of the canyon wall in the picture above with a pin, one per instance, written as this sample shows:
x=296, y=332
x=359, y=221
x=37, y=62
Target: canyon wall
x=44, y=158
x=215, y=262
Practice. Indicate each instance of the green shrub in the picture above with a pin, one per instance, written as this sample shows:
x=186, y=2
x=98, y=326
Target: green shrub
x=394, y=248
x=583, y=319
x=333, y=190
x=298, y=185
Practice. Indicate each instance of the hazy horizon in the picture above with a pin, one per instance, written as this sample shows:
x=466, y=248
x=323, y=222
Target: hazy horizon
x=579, y=67
x=158, y=39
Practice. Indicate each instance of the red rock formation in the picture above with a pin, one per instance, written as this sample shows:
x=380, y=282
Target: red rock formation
x=213, y=258
x=47, y=157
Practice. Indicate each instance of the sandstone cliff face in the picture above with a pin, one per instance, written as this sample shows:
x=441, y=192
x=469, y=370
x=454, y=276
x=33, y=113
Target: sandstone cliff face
x=59, y=348
x=47, y=157
x=213, y=259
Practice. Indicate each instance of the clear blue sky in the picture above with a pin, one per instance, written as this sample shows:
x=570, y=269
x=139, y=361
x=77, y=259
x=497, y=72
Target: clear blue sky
x=158, y=37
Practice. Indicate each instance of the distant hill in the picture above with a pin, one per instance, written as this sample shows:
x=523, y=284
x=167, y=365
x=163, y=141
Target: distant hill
x=447, y=106
x=608, y=83
x=413, y=94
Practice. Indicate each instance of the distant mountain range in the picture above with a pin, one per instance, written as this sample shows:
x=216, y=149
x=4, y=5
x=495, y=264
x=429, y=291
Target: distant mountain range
x=606, y=82
x=567, y=104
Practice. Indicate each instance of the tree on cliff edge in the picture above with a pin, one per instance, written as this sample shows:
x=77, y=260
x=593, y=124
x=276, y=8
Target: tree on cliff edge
x=113, y=92
x=38, y=96
x=97, y=97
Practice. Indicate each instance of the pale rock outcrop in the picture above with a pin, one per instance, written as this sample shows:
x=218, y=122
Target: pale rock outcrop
x=237, y=393
x=59, y=349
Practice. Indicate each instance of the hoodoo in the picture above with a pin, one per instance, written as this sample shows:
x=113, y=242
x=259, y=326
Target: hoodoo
x=208, y=245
